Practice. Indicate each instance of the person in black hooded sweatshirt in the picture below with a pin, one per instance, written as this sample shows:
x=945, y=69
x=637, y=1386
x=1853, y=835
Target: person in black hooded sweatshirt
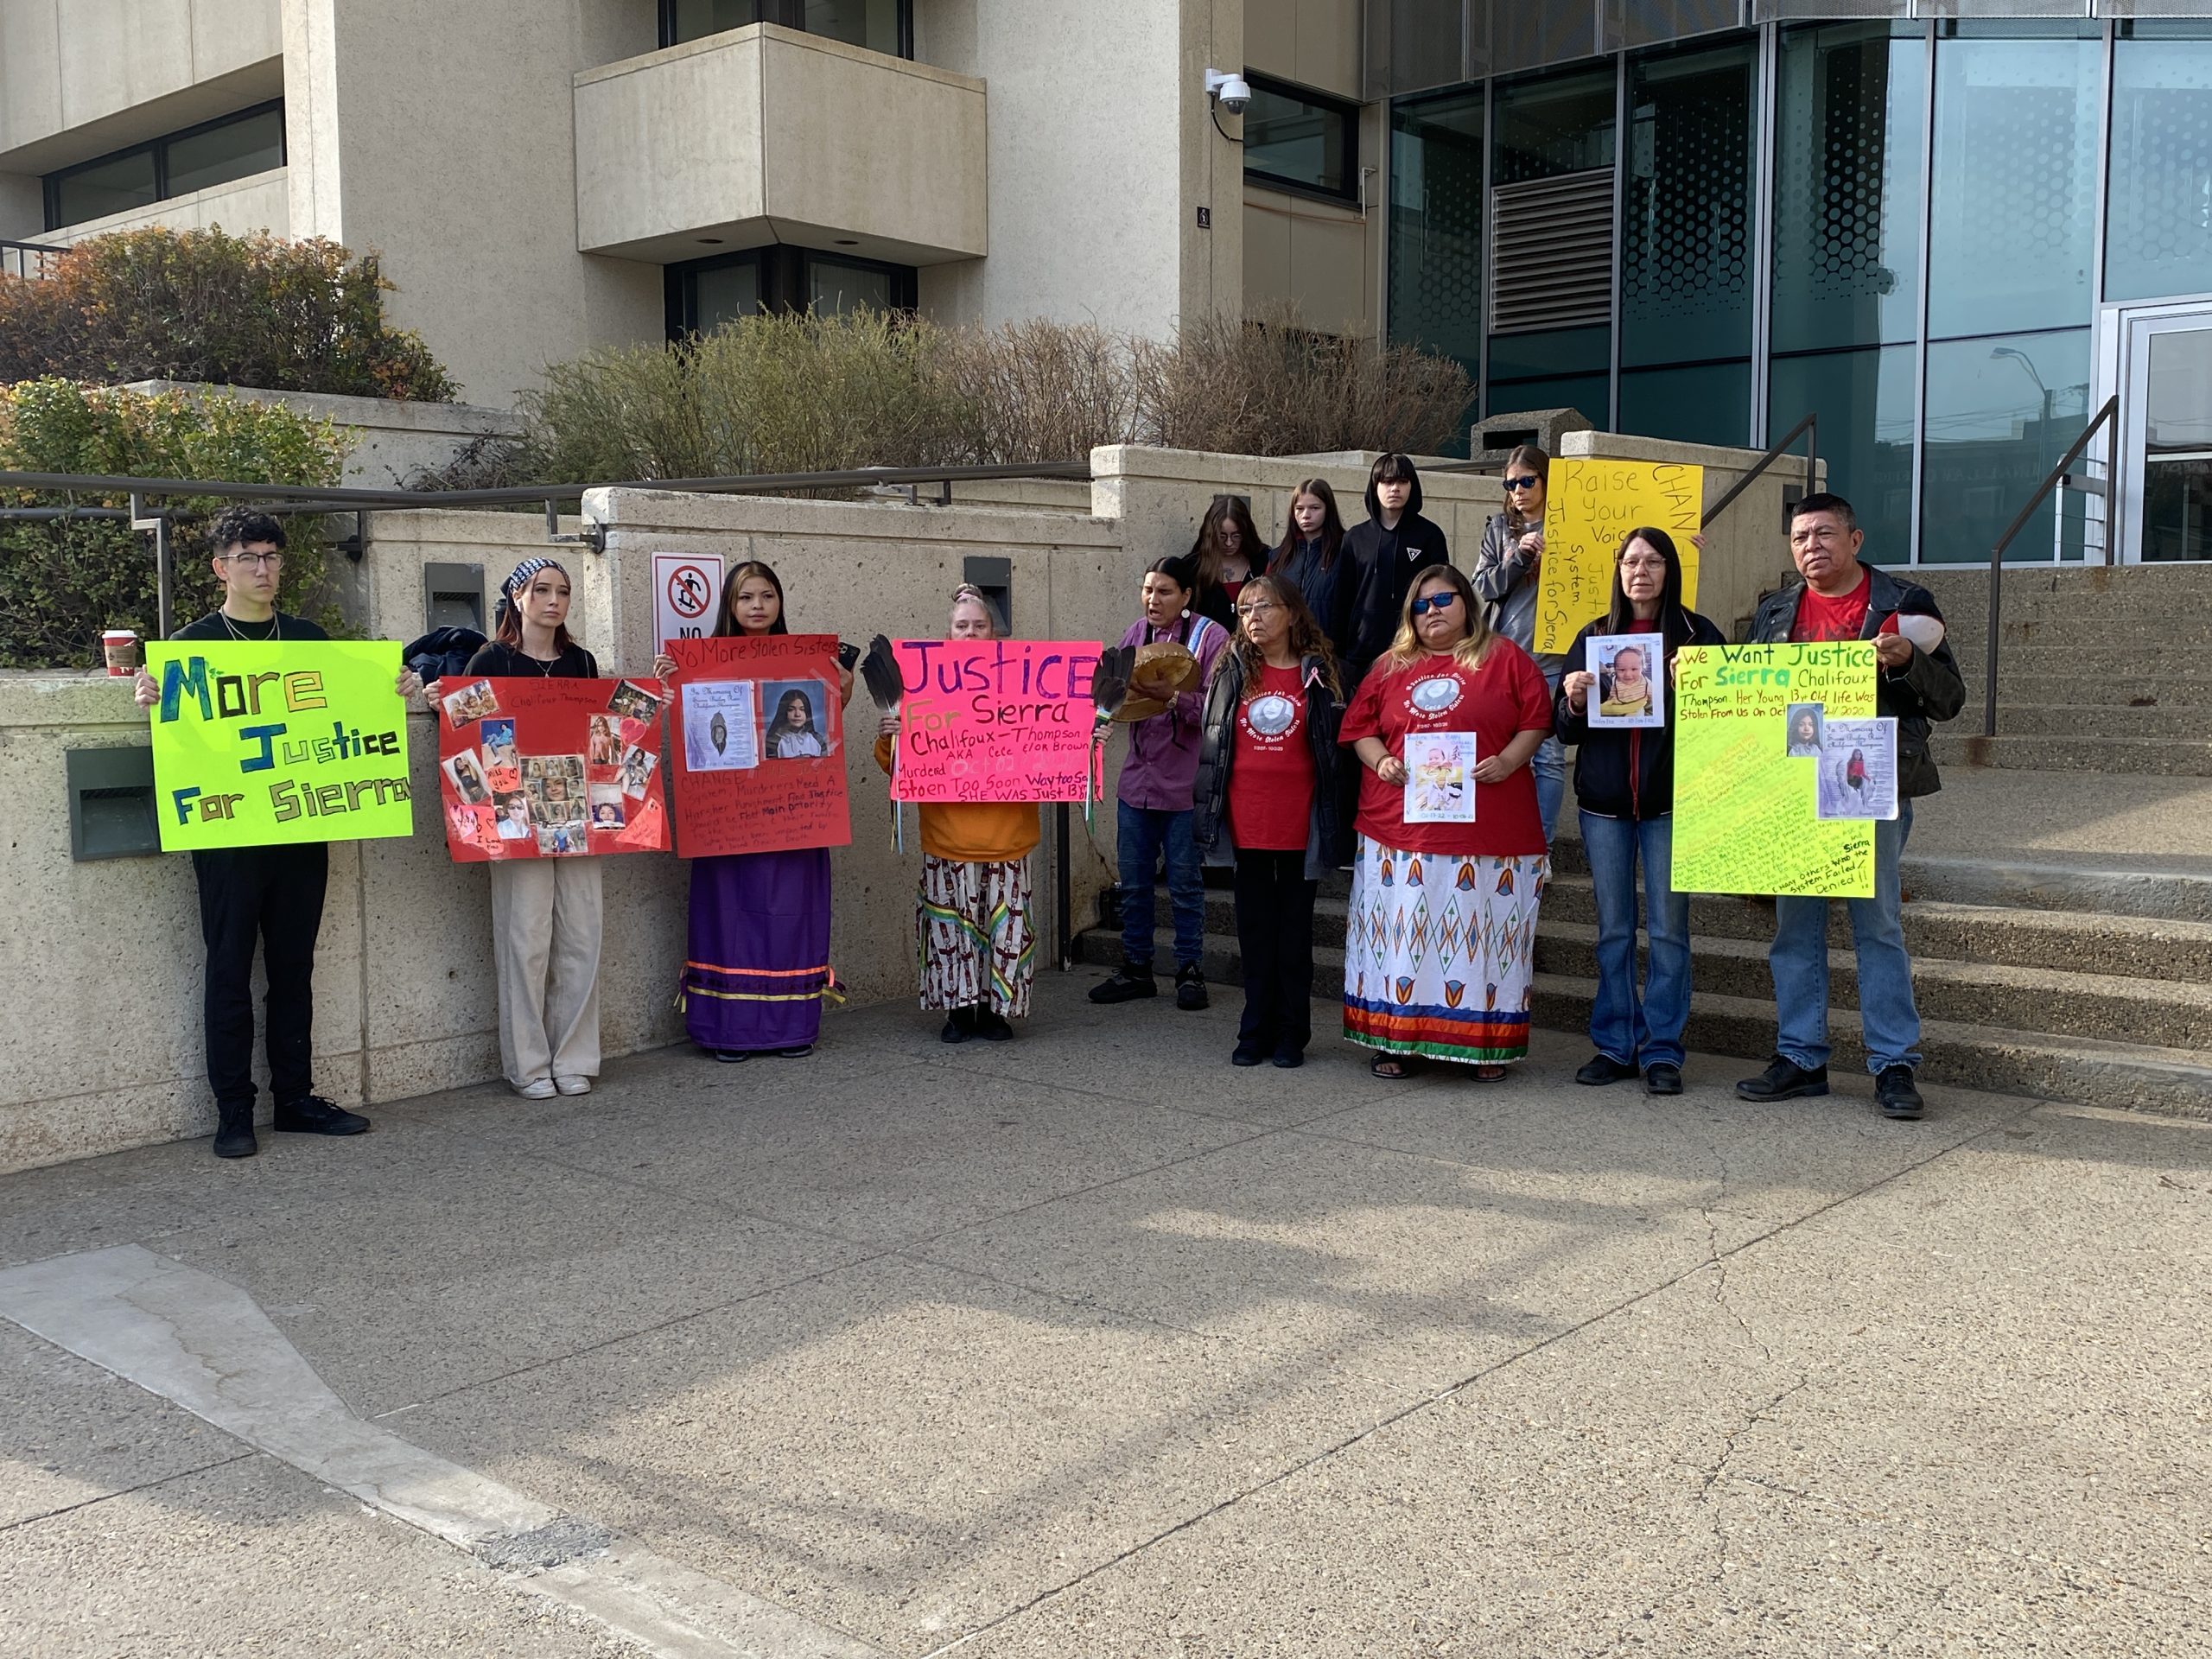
x=1381, y=556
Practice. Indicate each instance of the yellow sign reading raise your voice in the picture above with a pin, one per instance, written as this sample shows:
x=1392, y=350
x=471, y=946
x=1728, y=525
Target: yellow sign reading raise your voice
x=257, y=744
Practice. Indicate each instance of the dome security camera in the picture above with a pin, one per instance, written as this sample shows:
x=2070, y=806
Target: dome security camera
x=1231, y=91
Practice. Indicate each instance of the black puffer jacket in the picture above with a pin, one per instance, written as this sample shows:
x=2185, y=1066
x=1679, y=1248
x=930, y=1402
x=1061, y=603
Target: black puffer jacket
x=1382, y=567
x=1326, y=847
x=1926, y=690
x=1603, y=752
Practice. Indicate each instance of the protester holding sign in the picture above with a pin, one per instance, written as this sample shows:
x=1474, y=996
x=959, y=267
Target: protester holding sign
x=270, y=893
x=1624, y=782
x=546, y=918
x=1266, y=801
x=1505, y=575
x=1153, y=799
x=1917, y=682
x=1438, y=956
x=756, y=962
x=971, y=922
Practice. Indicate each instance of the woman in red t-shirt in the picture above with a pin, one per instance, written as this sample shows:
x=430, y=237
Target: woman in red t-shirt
x=1441, y=944
x=1267, y=778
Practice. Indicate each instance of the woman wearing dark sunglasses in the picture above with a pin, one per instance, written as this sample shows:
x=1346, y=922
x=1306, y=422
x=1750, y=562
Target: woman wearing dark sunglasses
x=1438, y=956
x=1505, y=575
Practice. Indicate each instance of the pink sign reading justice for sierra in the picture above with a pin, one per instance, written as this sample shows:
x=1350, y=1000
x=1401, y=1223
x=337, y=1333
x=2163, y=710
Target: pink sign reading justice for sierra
x=995, y=720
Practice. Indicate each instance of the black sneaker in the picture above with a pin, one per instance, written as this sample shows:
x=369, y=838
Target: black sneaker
x=1895, y=1094
x=234, y=1132
x=1784, y=1080
x=959, y=1027
x=992, y=1027
x=1126, y=984
x=1247, y=1054
x=1602, y=1069
x=1190, y=988
x=313, y=1114
x=1662, y=1078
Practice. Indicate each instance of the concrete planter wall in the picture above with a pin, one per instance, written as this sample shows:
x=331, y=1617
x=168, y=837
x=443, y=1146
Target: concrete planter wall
x=394, y=439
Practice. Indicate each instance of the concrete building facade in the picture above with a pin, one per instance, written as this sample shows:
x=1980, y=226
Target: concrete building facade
x=1953, y=229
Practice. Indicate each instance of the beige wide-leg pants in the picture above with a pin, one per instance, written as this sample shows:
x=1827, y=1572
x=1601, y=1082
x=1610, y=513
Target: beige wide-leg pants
x=545, y=937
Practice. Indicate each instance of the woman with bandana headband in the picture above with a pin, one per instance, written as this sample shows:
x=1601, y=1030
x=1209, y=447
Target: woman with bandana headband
x=545, y=912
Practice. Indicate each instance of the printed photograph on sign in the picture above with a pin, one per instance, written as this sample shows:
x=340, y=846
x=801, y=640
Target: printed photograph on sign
x=466, y=773
x=607, y=809
x=474, y=701
x=497, y=739
x=718, y=726
x=632, y=701
x=1628, y=666
x=1801, y=727
x=797, y=724
x=636, y=769
x=555, y=839
x=1439, y=777
x=1857, y=769
x=603, y=740
x=514, y=816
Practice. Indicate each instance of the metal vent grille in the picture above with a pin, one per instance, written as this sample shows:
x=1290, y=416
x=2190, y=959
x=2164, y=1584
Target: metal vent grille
x=1552, y=253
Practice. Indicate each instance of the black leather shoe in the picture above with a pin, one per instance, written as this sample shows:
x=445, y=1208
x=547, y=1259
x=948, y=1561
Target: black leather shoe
x=234, y=1132
x=1784, y=1080
x=992, y=1027
x=1126, y=984
x=1190, y=988
x=1603, y=1069
x=1289, y=1059
x=1894, y=1092
x=1247, y=1054
x=959, y=1027
x=313, y=1114
x=1662, y=1078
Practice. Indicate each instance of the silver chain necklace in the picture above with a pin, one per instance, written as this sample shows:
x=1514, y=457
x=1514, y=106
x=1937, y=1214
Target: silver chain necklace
x=275, y=629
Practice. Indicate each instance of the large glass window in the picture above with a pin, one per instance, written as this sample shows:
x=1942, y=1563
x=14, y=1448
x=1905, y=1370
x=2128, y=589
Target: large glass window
x=884, y=26
x=2012, y=222
x=176, y=165
x=1436, y=225
x=1685, y=238
x=1865, y=402
x=1846, y=193
x=2158, y=231
x=1299, y=140
x=1548, y=128
x=2000, y=413
x=704, y=294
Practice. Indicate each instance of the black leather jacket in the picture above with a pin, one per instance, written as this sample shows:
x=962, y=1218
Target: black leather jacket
x=1217, y=747
x=1926, y=690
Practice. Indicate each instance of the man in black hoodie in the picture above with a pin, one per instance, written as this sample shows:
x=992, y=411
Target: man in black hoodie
x=1381, y=557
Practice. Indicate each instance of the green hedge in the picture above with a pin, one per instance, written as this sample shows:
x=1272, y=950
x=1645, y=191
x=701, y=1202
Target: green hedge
x=62, y=582
x=201, y=305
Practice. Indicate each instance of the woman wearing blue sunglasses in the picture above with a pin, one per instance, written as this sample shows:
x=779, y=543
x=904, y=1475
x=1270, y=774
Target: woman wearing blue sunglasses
x=1439, y=954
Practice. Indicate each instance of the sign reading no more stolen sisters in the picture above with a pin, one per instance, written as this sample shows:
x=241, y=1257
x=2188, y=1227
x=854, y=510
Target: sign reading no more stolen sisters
x=993, y=719
x=772, y=777
x=1746, y=795
x=263, y=743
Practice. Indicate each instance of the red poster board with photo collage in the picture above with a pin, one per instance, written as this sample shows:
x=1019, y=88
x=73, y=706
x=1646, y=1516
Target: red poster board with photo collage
x=758, y=744
x=551, y=768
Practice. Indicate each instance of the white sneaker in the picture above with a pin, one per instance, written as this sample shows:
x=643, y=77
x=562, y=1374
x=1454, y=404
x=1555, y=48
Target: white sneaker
x=573, y=1086
x=541, y=1089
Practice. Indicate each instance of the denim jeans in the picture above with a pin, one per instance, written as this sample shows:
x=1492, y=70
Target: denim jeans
x=1645, y=1030
x=1141, y=835
x=1799, y=960
x=1549, y=765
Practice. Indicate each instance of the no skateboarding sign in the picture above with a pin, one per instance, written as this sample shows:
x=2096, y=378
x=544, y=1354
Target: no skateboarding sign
x=687, y=596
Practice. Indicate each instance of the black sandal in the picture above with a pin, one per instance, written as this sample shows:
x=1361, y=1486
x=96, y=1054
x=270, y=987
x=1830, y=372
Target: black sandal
x=1407, y=1064
x=798, y=1054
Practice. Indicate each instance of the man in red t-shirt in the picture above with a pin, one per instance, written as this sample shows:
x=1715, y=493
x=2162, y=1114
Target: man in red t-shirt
x=1842, y=598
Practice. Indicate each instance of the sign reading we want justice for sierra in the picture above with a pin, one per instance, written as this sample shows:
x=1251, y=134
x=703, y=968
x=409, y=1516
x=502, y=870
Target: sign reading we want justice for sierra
x=260, y=743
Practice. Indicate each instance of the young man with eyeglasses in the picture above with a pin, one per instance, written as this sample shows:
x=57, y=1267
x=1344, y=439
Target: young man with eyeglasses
x=271, y=895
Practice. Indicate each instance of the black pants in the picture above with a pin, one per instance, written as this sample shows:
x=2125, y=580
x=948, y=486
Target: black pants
x=1275, y=933
x=272, y=894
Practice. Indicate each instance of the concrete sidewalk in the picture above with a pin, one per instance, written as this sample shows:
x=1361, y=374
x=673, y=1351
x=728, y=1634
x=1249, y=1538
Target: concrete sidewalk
x=1090, y=1344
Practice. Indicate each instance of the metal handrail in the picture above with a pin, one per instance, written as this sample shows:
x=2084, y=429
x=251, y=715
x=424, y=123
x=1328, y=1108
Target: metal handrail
x=2109, y=412
x=1810, y=427
x=28, y=260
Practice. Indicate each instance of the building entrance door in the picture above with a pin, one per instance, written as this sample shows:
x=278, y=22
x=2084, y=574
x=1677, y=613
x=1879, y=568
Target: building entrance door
x=2165, y=451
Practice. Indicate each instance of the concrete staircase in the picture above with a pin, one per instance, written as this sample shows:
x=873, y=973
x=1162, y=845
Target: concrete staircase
x=2036, y=979
x=2101, y=670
